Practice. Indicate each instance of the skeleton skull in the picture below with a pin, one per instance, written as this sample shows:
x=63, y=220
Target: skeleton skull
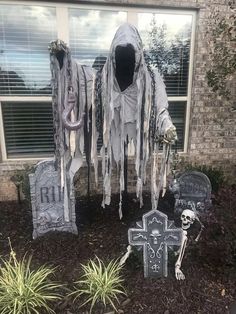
x=155, y=235
x=188, y=217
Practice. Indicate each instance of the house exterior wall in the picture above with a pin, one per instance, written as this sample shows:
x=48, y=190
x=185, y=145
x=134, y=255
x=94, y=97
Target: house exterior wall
x=212, y=130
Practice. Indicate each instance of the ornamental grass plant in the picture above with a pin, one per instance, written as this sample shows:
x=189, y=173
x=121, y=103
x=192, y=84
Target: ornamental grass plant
x=100, y=284
x=26, y=291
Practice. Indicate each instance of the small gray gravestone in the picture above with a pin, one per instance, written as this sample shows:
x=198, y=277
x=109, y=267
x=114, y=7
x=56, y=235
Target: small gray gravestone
x=192, y=188
x=50, y=212
x=155, y=234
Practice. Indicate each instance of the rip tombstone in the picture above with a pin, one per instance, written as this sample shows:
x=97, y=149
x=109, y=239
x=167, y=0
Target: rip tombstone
x=155, y=234
x=47, y=200
x=192, y=188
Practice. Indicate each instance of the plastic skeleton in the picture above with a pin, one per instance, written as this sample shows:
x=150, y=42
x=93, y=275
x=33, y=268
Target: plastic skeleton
x=188, y=217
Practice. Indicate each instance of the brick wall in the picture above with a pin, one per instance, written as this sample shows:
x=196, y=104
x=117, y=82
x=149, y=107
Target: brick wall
x=212, y=132
x=212, y=138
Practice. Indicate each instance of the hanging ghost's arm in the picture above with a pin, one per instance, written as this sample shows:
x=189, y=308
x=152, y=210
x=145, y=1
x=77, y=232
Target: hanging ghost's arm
x=66, y=114
x=60, y=52
x=165, y=127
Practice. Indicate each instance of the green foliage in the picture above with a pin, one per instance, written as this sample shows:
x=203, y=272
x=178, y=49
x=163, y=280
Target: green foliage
x=163, y=52
x=25, y=291
x=216, y=176
x=100, y=283
x=21, y=180
x=221, y=32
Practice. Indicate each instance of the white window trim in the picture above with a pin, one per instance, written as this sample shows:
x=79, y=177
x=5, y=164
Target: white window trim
x=2, y=137
x=63, y=33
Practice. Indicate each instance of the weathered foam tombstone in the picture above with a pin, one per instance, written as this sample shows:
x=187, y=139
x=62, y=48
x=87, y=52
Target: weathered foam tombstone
x=48, y=208
x=155, y=233
x=192, y=187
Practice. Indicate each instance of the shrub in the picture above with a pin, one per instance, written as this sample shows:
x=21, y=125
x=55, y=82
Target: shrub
x=100, y=283
x=25, y=291
x=21, y=181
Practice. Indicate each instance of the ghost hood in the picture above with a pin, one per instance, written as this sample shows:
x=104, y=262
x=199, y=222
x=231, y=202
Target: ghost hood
x=126, y=40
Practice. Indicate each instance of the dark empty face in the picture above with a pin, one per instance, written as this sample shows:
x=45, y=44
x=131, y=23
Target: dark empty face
x=60, y=56
x=125, y=64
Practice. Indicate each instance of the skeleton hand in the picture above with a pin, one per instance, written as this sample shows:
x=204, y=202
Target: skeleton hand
x=179, y=274
x=126, y=256
x=170, y=135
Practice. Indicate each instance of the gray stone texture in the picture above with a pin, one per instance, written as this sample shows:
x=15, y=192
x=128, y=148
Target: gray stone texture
x=155, y=233
x=192, y=190
x=48, y=206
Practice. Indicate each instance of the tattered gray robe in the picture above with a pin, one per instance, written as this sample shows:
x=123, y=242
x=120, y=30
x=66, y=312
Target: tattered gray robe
x=69, y=75
x=128, y=114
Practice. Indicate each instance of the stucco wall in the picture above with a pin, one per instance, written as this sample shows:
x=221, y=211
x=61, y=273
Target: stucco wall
x=212, y=130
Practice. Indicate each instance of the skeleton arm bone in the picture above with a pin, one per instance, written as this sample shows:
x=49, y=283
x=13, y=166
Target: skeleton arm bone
x=202, y=227
x=178, y=273
x=126, y=256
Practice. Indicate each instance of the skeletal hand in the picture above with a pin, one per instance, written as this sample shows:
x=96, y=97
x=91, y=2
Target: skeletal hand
x=170, y=135
x=176, y=253
x=179, y=274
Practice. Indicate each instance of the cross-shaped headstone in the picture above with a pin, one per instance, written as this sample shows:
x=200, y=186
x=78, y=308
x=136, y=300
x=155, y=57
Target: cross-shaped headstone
x=155, y=234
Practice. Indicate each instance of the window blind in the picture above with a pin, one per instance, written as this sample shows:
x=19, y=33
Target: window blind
x=28, y=129
x=177, y=110
x=91, y=33
x=25, y=32
x=166, y=39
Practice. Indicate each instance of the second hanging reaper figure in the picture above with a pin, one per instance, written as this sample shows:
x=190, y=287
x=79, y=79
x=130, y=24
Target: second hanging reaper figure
x=130, y=105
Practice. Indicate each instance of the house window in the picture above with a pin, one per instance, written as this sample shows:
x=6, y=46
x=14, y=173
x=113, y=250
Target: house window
x=25, y=32
x=26, y=123
x=167, y=41
x=91, y=33
x=28, y=129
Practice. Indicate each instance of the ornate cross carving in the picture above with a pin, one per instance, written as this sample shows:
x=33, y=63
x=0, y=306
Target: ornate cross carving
x=155, y=234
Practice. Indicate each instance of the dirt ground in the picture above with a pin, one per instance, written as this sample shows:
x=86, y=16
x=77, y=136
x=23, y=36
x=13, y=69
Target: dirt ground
x=209, y=265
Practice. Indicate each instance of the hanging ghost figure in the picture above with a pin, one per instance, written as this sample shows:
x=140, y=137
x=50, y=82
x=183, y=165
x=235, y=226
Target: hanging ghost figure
x=130, y=105
x=72, y=98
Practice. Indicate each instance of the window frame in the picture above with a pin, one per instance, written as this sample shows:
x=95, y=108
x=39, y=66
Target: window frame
x=62, y=14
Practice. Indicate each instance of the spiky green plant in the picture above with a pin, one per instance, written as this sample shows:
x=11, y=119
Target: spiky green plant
x=25, y=291
x=100, y=283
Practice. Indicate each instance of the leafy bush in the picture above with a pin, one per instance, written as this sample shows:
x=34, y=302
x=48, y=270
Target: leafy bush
x=221, y=54
x=21, y=181
x=25, y=291
x=100, y=283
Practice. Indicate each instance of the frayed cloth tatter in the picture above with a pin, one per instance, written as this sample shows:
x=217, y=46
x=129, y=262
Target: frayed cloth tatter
x=126, y=116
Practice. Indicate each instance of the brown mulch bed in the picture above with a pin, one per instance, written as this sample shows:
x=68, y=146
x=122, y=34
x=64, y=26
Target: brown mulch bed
x=209, y=265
